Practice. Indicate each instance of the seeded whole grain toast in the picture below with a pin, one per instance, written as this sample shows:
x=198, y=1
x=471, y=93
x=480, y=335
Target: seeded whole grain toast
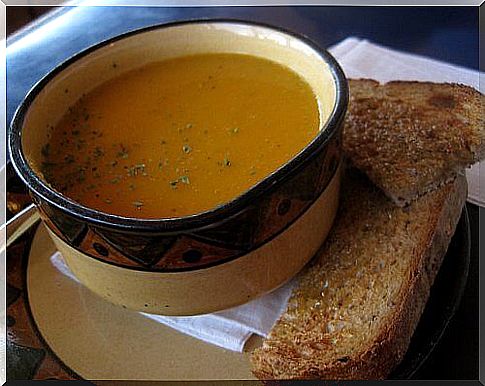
x=411, y=137
x=357, y=304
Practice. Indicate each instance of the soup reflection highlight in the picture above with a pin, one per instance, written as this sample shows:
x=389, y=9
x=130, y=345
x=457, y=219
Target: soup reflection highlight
x=181, y=136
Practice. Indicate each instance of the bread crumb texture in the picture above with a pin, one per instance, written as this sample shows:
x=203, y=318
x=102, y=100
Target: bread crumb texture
x=411, y=137
x=357, y=304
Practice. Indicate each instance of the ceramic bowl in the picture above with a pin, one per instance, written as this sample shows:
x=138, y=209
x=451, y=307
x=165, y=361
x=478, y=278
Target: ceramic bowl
x=212, y=260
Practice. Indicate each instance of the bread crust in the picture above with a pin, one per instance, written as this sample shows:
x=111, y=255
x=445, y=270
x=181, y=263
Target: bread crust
x=281, y=361
x=412, y=137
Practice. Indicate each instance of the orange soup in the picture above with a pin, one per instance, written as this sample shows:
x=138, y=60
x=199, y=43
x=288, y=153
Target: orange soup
x=180, y=137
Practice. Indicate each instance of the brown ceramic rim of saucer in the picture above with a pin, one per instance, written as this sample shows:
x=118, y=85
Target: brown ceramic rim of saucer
x=196, y=221
x=49, y=357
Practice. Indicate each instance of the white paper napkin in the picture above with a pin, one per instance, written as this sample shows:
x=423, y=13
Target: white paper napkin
x=231, y=328
x=363, y=59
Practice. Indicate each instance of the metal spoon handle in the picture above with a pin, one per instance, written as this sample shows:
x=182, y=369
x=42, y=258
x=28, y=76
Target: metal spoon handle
x=17, y=226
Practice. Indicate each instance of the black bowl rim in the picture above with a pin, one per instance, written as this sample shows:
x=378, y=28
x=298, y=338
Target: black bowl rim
x=198, y=220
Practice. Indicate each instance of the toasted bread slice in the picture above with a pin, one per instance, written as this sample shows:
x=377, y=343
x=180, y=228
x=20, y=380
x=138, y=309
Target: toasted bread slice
x=356, y=306
x=411, y=137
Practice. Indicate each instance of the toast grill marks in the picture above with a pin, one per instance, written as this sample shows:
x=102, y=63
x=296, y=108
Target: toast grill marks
x=411, y=137
x=356, y=307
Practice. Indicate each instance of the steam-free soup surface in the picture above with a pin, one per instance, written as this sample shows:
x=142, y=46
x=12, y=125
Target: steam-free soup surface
x=181, y=136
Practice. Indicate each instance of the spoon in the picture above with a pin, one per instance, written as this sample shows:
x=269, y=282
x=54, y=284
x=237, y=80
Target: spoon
x=17, y=226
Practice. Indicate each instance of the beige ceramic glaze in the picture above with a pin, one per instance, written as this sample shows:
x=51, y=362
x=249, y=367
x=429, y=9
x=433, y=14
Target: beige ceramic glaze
x=215, y=288
x=101, y=341
x=94, y=243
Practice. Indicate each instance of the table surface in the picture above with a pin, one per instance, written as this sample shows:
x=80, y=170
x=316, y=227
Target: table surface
x=445, y=33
